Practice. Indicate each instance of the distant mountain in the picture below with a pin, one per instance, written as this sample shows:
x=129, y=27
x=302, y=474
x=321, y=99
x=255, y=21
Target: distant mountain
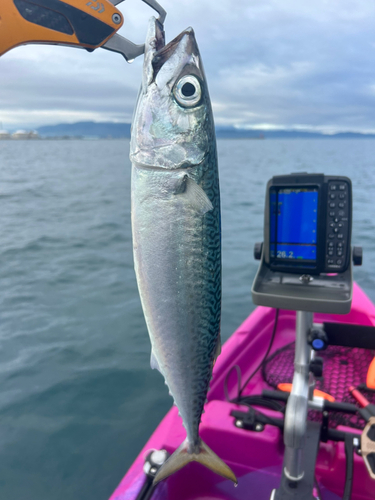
x=122, y=130
x=236, y=133
x=86, y=129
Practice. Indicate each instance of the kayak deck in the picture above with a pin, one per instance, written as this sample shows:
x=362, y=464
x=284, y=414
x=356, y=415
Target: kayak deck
x=255, y=457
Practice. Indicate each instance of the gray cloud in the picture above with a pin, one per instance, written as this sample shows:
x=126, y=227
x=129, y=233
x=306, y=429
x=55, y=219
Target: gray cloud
x=271, y=63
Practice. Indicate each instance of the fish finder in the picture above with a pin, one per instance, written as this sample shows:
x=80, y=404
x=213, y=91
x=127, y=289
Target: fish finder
x=307, y=226
x=306, y=256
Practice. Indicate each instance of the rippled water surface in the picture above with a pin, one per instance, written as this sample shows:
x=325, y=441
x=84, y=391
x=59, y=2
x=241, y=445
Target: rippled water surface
x=77, y=396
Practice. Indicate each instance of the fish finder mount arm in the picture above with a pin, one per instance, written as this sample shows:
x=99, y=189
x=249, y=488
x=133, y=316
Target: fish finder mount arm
x=297, y=407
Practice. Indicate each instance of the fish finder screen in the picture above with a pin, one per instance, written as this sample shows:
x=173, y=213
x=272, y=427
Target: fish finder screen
x=293, y=224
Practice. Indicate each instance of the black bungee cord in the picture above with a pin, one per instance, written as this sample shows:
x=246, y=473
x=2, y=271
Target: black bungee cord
x=253, y=399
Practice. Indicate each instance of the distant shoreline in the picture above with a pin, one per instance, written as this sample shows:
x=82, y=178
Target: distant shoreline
x=221, y=138
x=218, y=137
x=111, y=130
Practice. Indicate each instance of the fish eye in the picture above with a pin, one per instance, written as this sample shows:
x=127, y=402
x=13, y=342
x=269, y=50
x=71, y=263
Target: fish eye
x=188, y=91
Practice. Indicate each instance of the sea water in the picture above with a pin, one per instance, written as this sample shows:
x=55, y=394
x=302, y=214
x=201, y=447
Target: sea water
x=78, y=399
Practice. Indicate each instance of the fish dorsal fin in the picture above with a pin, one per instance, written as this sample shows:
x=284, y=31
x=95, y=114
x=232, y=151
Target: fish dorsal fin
x=154, y=362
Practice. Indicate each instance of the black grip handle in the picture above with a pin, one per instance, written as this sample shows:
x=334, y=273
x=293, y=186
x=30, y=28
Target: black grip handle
x=42, y=16
x=64, y=18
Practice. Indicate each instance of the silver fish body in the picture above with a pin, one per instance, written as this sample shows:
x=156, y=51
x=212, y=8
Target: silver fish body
x=176, y=229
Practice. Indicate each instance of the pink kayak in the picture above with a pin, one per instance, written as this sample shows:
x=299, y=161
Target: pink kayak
x=251, y=442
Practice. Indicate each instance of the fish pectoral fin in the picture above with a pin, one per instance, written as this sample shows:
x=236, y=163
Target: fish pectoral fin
x=204, y=455
x=154, y=362
x=195, y=196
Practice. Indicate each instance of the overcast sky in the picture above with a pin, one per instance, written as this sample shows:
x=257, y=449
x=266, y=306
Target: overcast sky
x=306, y=64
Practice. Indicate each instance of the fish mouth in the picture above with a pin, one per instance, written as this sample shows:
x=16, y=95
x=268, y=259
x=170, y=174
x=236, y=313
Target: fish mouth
x=157, y=53
x=165, y=52
x=155, y=39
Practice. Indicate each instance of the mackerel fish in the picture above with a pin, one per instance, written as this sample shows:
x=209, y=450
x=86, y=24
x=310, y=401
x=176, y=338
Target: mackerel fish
x=176, y=231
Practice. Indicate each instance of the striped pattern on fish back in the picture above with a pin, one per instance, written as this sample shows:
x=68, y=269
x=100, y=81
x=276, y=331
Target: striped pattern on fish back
x=210, y=305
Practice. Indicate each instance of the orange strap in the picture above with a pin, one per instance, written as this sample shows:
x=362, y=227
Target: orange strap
x=321, y=394
x=370, y=381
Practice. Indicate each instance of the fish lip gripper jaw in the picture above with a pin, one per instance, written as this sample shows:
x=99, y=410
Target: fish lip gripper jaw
x=125, y=47
x=303, y=294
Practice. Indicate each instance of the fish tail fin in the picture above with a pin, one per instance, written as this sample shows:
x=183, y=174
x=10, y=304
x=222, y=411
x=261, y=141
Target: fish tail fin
x=210, y=460
x=203, y=454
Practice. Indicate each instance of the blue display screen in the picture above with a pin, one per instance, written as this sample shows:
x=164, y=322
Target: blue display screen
x=293, y=223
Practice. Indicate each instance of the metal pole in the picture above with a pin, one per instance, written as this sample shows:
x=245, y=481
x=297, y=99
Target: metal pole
x=296, y=411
